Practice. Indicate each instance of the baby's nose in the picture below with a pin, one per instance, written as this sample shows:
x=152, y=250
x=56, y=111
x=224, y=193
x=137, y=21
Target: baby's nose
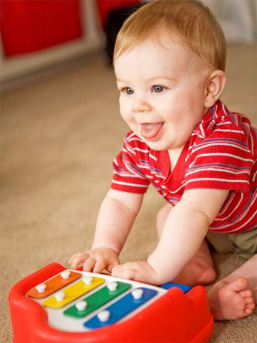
x=140, y=106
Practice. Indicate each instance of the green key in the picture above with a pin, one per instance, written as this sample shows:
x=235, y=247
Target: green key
x=98, y=299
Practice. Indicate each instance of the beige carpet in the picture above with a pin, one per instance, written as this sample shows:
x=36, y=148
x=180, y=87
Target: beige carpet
x=58, y=137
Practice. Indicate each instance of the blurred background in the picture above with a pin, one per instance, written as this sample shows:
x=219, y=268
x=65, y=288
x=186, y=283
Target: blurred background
x=39, y=34
x=61, y=129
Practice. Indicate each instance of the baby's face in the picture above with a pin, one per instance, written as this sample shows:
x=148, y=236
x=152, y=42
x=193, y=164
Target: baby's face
x=162, y=92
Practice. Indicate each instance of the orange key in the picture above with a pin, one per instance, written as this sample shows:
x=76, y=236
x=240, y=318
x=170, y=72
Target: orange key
x=54, y=284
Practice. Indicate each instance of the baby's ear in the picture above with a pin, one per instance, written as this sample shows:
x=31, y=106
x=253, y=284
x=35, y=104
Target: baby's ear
x=214, y=87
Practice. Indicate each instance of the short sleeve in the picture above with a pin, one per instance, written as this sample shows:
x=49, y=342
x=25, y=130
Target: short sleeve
x=127, y=176
x=223, y=160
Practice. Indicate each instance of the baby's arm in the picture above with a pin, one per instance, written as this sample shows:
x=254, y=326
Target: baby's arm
x=182, y=236
x=115, y=219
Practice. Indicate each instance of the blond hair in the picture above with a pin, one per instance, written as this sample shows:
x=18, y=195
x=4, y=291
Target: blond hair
x=190, y=20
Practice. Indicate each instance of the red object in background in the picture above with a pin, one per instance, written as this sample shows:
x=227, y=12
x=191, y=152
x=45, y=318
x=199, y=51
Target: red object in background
x=31, y=25
x=105, y=6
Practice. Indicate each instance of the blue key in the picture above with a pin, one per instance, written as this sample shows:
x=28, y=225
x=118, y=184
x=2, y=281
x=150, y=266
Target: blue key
x=170, y=285
x=121, y=308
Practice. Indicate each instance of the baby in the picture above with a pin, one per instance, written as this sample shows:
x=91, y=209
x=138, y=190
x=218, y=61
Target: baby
x=169, y=62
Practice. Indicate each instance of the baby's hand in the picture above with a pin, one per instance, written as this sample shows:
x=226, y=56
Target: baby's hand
x=138, y=271
x=95, y=260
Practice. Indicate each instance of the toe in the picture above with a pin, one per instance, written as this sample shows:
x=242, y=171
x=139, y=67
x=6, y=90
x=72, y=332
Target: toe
x=239, y=285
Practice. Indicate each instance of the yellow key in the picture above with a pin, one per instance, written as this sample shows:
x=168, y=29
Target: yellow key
x=73, y=292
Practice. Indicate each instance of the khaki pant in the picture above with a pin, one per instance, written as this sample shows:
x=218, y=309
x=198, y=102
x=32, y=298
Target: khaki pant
x=244, y=244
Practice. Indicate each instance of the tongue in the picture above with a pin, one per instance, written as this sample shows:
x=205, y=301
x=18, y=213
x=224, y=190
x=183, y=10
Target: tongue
x=149, y=131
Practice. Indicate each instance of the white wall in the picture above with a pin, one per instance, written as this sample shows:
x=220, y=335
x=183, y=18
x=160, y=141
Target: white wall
x=237, y=18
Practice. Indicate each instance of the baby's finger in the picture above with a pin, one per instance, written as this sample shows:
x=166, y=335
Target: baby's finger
x=77, y=259
x=99, y=266
x=89, y=264
x=112, y=265
x=117, y=270
x=129, y=274
x=72, y=258
x=124, y=273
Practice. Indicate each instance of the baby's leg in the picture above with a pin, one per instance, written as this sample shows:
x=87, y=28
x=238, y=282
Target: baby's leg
x=200, y=269
x=235, y=296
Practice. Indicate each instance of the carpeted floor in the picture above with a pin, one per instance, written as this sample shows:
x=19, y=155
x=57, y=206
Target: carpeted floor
x=58, y=137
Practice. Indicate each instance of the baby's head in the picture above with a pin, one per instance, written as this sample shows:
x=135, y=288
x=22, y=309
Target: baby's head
x=169, y=62
x=188, y=21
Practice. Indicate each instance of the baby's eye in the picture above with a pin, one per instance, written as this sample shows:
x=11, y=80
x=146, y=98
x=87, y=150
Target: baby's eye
x=128, y=90
x=158, y=89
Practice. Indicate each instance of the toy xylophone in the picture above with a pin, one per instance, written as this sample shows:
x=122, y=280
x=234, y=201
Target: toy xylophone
x=67, y=306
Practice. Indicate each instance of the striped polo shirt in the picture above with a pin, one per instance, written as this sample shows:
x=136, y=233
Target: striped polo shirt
x=221, y=154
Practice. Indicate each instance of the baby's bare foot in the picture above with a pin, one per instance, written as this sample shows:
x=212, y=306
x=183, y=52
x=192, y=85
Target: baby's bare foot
x=231, y=300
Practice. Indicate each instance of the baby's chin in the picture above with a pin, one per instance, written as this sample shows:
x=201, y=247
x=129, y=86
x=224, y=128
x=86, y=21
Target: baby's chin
x=157, y=145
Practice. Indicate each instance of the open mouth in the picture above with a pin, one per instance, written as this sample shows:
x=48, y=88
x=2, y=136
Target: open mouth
x=151, y=131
